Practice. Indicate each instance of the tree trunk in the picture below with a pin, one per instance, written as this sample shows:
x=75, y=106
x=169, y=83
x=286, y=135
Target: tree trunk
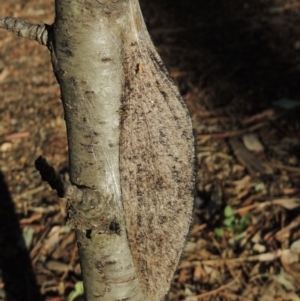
x=131, y=148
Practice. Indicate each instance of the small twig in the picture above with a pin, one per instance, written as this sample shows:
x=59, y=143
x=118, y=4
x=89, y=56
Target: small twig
x=267, y=114
x=16, y=136
x=285, y=232
x=34, y=253
x=71, y=262
x=270, y=256
x=22, y=28
x=213, y=292
x=248, y=208
x=63, y=188
x=47, y=209
x=241, y=132
x=30, y=193
x=285, y=167
x=234, y=133
x=49, y=175
x=287, y=203
x=31, y=219
x=198, y=228
x=234, y=296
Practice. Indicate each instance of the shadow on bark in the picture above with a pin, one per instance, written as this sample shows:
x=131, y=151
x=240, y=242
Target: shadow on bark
x=17, y=274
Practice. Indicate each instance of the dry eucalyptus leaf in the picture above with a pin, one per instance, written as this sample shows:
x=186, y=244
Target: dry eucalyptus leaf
x=190, y=247
x=289, y=204
x=259, y=248
x=295, y=247
x=289, y=257
x=4, y=73
x=58, y=266
x=283, y=280
x=241, y=184
x=252, y=143
x=6, y=147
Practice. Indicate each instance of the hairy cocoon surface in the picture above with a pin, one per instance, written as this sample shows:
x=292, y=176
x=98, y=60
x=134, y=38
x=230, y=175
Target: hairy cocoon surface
x=156, y=165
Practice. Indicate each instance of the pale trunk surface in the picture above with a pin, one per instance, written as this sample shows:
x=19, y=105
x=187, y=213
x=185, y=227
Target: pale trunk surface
x=131, y=149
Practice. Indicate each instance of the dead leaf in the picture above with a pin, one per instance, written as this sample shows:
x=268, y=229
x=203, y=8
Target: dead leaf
x=3, y=74
x=58, y=266
x=252, y=143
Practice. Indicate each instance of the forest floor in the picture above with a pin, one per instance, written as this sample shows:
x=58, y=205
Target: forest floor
x=237, y=64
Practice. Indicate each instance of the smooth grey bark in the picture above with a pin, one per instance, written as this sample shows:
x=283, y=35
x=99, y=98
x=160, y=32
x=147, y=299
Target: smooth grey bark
x=131, y=147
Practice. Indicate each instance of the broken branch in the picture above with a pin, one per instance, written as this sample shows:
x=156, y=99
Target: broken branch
x=24, y=29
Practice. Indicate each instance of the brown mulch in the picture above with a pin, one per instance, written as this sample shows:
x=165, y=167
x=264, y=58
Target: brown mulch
x=237, y=64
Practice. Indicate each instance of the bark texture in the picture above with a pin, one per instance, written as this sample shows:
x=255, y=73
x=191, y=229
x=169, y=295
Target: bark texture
x=87, y=53
x=131, y=147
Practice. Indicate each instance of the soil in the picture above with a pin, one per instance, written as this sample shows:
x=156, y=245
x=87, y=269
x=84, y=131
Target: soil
x=237, y=64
